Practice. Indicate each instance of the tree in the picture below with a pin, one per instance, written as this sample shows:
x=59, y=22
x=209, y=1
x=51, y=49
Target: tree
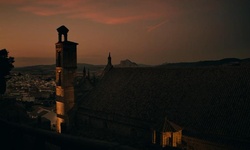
x=6, y=65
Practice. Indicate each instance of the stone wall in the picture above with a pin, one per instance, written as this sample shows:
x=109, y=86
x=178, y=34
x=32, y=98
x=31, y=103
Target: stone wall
x=198, y=144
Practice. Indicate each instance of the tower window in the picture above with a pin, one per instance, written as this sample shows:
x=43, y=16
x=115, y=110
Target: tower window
x=58, y=59
x=58, y=78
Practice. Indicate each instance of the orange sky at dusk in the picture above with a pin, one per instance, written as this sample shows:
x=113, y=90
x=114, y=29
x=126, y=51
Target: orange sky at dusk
x=144, y=31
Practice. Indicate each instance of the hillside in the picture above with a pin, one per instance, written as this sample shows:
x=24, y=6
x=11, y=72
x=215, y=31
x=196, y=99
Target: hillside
x=50, y=69
x=210, y=63
x=126, y=63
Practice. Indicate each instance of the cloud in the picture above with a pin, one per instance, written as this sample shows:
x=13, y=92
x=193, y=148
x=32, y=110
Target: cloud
x=110, y=19
x=107, y=12
x=151, y=28
x=118, y=11
x=15, y=2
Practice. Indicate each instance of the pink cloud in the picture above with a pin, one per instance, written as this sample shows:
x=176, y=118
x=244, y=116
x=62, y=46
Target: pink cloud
x=15, y=2
x=43, y=11
x=110, y=11
x=107, y=12
x=151, y=28
x=114, y=19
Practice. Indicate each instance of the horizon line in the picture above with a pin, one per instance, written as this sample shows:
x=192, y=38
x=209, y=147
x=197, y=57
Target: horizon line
x=47, y=64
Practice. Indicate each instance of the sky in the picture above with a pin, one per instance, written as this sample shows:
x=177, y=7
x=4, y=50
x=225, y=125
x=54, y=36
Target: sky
x=144, y=31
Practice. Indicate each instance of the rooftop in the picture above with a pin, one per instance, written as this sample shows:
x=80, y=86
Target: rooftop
x=207, y=99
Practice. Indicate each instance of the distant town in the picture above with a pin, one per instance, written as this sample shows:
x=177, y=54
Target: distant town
x=39, y=89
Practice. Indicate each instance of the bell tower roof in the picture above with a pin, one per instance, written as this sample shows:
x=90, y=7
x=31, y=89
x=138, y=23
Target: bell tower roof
x=62, y=29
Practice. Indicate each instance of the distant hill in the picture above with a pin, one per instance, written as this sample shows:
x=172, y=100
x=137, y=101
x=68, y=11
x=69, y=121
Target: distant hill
x=129, y=63
x=91, y=67
x=50, y=69
x=36, y=69
x=126, y=63
x=210, y=63
x=34, y=61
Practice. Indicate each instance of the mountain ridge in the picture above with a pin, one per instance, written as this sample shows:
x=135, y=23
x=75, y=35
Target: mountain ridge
x=45, y=69
x=209, y=63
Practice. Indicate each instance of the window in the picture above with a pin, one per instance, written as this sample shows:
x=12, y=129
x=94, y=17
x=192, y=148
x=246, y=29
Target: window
x=58, y=78
x=58, y=59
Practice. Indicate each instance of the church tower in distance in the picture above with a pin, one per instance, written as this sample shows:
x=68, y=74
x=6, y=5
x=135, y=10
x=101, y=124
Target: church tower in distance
x=109, y=65
x=66, y=65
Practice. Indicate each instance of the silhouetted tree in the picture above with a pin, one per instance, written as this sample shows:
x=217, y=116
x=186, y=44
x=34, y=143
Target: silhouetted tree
x=6, y=65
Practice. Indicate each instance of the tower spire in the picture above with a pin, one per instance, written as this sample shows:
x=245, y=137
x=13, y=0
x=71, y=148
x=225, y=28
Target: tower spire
x=109, y=66
x=109, y=60
x=84, y=72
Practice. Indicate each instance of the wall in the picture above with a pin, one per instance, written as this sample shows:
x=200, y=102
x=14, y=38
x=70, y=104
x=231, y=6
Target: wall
x=121, y=129
x=198, y=144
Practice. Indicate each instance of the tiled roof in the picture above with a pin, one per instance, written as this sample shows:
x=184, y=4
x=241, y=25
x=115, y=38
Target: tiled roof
x=208, y=99
x=168, y=126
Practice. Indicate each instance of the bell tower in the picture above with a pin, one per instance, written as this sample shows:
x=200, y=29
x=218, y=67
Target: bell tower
x=66, y=65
